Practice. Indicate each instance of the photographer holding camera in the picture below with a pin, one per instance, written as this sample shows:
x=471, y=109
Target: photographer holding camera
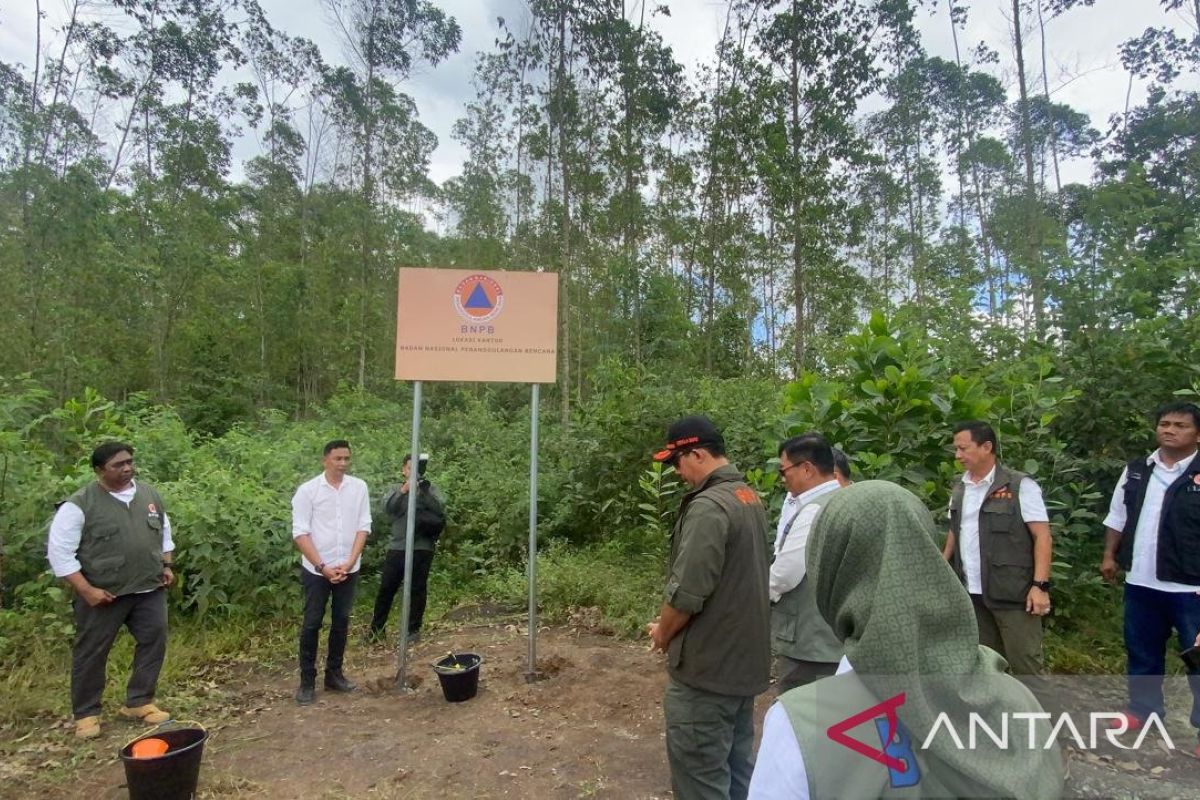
x=430, y=522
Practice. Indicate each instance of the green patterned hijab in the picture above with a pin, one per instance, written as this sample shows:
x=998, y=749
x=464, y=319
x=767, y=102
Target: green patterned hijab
x=907, y=625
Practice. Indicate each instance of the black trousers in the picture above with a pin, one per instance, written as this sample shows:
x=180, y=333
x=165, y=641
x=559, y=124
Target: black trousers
x=145, y=615
x=340, y=597
x=392, y=579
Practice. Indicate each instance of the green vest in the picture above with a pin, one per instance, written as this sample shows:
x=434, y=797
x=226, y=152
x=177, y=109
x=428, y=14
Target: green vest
x=726, y=647
x=836, y=771
x=1005, y=544
x=120, y=549
x=797, y=628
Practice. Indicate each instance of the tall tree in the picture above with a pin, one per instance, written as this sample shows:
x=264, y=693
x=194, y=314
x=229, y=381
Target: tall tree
x=386, y=40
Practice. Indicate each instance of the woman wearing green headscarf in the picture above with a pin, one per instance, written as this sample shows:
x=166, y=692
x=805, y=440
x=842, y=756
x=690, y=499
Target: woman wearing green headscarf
x=895, y=721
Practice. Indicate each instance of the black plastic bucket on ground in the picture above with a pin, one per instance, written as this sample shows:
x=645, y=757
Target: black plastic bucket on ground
x=171, y=776
x=459, y=675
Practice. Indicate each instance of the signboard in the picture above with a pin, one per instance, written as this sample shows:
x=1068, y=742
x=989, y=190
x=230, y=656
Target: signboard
x=477, y=325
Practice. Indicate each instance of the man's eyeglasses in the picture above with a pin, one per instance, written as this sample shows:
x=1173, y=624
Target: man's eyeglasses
x=783, y=471
x=673, y=461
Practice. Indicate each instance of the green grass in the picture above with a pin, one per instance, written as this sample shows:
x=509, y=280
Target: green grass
x=36, y=682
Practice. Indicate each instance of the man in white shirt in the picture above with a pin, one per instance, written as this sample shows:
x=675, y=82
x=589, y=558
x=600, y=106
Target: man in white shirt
x=331, y=517
x=1153, y=533
x=1000, y=547
x=805, y=647
x=111, y=541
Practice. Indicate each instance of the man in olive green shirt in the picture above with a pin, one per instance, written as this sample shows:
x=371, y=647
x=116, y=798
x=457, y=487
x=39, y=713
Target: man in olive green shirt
x=714, y=624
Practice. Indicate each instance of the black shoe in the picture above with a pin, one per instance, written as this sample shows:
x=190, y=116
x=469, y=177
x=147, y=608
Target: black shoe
x=306, y=694
x=335, y=681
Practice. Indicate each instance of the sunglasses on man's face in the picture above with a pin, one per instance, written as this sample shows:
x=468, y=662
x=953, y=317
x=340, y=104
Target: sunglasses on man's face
x=673, y=461
x=783, y=471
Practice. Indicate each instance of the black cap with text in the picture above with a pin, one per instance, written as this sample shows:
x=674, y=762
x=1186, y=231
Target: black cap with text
x=688, y=434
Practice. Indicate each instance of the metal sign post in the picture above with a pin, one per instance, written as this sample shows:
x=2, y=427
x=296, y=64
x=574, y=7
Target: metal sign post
x=476, y=325
x=410, y=525
x=531, y=674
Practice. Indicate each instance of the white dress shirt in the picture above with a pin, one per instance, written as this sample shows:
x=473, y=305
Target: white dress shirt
x=779, y=771
x=332, y=516
x=1143, y=570
x=66, y=532
x=1033, y=509
x=785, y=516
x=787, y=570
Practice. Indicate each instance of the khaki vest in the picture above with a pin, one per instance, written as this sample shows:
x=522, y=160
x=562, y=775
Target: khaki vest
x=836, y=771
x=120, y=549
x=1005, y=544
x=798, y=630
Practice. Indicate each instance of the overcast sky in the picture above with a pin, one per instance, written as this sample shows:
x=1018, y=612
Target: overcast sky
x=1085, y=71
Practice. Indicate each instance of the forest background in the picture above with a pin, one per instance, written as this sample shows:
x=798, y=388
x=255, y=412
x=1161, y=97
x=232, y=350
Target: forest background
x=821, y=227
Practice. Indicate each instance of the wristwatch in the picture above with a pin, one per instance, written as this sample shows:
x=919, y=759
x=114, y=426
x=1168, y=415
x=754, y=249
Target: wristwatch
x=1043, y=585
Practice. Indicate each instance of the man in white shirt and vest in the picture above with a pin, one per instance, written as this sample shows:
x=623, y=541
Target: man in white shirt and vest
x=806, y=649
x=111, y=541
x=331, y=517
x=1000, y=547
x=1153, y=534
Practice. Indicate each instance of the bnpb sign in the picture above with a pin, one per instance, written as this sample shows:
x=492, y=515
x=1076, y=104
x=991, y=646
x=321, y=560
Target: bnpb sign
x=476, y=325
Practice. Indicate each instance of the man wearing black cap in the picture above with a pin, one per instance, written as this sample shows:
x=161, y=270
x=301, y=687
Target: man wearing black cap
x=714, y=624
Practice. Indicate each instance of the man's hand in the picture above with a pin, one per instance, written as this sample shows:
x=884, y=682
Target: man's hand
x=168, y=575
x=404, y=488
x=1109, y=568
x=652, y=631
x=95, y=597
x=1037, y=602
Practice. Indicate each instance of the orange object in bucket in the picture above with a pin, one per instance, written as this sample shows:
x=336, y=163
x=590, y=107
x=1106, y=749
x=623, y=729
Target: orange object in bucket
x=149, y=748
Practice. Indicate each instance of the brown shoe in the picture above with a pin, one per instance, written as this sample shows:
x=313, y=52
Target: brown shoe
x=149, y=714
x=87, y=727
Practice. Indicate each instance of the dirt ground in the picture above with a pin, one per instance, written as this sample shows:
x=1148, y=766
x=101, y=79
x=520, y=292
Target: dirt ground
x=591, y=728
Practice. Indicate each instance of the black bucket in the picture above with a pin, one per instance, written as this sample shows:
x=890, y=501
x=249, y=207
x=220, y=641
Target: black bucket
x=459, y=675
x=171, y=776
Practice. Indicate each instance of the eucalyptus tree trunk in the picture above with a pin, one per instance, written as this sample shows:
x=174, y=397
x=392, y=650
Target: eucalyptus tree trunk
x=1031, y=237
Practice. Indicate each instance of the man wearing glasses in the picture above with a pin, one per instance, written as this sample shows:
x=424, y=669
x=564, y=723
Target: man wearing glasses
x=1000, y=546
x=714, y=624
x=806, y=648
x=111, y=541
